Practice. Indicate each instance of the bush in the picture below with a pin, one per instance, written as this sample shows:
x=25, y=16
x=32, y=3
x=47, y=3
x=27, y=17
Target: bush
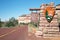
x=34, y=24
x=9, y=24
x=12, y=22
x=23, y=23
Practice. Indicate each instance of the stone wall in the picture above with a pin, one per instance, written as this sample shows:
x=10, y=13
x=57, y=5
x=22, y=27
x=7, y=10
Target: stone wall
x=49, y=29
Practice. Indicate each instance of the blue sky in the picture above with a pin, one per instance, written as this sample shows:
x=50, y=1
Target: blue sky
x=15, y=8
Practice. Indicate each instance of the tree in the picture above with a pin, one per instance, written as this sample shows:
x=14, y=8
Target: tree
x=0, y=23
x=12, y=22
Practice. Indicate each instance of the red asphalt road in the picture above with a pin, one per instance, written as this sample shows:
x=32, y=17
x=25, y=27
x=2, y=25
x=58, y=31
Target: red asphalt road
x=20, y=33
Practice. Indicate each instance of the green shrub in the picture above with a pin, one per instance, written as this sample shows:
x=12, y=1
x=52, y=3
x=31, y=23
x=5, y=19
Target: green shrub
x=24, y=23
x=33, y=24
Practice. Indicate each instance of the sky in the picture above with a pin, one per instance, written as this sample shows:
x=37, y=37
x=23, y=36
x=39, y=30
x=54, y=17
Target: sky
x=16, y=8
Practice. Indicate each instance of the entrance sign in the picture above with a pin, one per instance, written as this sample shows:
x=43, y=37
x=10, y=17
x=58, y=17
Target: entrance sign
x=49, y=13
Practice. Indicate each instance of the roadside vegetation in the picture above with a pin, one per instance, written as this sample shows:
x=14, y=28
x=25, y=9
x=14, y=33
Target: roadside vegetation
x=32, y=27
x=10, y=23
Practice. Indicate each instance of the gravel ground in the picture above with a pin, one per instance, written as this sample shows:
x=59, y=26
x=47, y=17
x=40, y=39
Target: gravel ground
x=31, y=36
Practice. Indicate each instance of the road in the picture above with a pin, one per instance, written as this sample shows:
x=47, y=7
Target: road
x=20, y=33
x=17, y=33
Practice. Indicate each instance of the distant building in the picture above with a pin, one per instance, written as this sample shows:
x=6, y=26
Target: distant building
x=24, y=19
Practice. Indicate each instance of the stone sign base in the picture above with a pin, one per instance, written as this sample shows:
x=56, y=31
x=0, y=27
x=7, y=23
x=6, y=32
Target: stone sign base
x=49, y=29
